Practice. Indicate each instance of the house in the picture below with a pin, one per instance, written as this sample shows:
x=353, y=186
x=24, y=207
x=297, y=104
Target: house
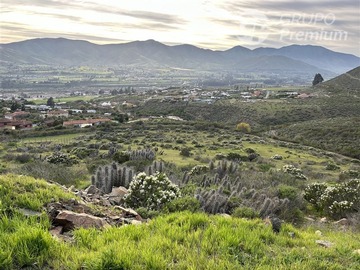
x=16, y=115
x=14, y=125
x=85, y=123
x=58, y=113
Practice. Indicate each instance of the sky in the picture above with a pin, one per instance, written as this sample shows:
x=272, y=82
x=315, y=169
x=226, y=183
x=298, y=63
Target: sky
x=216, y=24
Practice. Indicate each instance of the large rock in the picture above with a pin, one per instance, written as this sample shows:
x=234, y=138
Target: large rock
x=70, y=220
x=118, y=192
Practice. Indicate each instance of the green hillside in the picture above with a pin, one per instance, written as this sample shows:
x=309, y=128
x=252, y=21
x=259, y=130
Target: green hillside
x=177, y=241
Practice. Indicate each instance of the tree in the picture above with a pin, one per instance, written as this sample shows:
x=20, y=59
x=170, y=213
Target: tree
x=317, y=79
x=243, y=127
x=50, y=102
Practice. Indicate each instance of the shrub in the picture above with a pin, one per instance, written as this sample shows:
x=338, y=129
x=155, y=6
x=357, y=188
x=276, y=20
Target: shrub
x=83, y=152
x=287, y=192
x=186, y=203
x=198, y=169
x=337, y=201
x=23, y=158
x=121, y=157
x=291, y=169
x=245, y=212
x=151, y=192
x=186, y=152
x=243, y=127
x=61, y=158
x=145, y=213
x=332, y=167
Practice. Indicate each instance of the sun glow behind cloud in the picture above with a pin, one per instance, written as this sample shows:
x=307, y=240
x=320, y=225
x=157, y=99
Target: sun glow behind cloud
x=209, y=24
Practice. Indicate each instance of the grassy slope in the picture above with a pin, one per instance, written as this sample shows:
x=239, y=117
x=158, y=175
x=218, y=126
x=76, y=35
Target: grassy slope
x=177, y=241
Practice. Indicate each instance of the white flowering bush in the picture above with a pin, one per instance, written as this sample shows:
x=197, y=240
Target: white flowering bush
x=291, y=169
x=198, y=169
x=337, y=200
x=151, y=191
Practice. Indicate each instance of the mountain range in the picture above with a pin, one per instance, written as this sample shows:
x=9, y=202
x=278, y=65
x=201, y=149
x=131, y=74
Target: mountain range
x=305, y=59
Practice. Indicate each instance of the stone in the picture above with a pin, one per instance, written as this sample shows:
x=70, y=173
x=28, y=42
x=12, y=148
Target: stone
x=318, y=233
x=227, y=216
x=128, y=212
x=56, y=231
x=29, y=213
x=323, y=220
x=309, y=219
x=342, y=222
x=136, y=222
x=70, y=220
x=357, y=251
x=324, y=243
x=91, y=190
x=118, y=192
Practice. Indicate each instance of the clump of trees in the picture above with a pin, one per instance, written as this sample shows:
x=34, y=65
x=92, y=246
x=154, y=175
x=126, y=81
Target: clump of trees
x=317, y=79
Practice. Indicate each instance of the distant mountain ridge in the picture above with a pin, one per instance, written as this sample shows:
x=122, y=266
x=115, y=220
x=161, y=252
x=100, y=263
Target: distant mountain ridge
x=60, y=51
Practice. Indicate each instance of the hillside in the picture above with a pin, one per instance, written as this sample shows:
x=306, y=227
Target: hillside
x=150, y=53
x=345, y=84
x=177, y=241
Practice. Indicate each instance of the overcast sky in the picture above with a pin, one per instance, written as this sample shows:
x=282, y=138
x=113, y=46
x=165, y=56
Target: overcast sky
x=209, y=24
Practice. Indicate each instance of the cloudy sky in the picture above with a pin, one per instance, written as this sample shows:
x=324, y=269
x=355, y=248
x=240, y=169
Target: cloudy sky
x=213, y=24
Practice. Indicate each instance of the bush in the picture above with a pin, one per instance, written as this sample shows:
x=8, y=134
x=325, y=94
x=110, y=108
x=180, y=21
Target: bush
x=287, y=192
x=291, y=169
x=83, y=152
x=186, y=152
x=23, y=158
x=145, y=213
x=245, y=212
x=243, y=127
x=336, y=201
x=186, y=203
x=58, y=173
x=151, y=192
x=121, y=157
x=199, y=169
x=61, y=158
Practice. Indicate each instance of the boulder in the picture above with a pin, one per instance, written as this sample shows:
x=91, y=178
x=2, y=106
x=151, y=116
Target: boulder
x=324, y=243
x=342, y=222
x=118, y=192
x=70, y=220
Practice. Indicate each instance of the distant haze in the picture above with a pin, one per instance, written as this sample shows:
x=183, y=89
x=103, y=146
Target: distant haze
x=217, y=25
x=290, y=59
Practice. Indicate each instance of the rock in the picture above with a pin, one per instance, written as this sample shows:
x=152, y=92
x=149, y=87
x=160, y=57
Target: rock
x=118, y=192
x=342, y=222
x=323, y=220
x=318, y=233
x=324, y=243
x=357, y=252
x=56, y=231
x=309, y=219
x=92, y=190
x=136, y=222
x=70, y=220
x=128, y=212
x=225, y=215
x=29, y=213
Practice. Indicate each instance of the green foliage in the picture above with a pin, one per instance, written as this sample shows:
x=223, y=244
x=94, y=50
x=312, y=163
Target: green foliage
x=291, y=169
x=151, y=192
x=245, y=212
x=336, y=201
x=186, y=152
x=54, y=172
x=26, y=192
x=62, y=158
x=185, y=203
x=121, y=157
x=289, y=192
x=243, y=127
x=199, y=169
x=83, y=152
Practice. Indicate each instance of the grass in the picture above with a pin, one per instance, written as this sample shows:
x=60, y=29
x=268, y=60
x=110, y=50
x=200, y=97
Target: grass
x=177, y=241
